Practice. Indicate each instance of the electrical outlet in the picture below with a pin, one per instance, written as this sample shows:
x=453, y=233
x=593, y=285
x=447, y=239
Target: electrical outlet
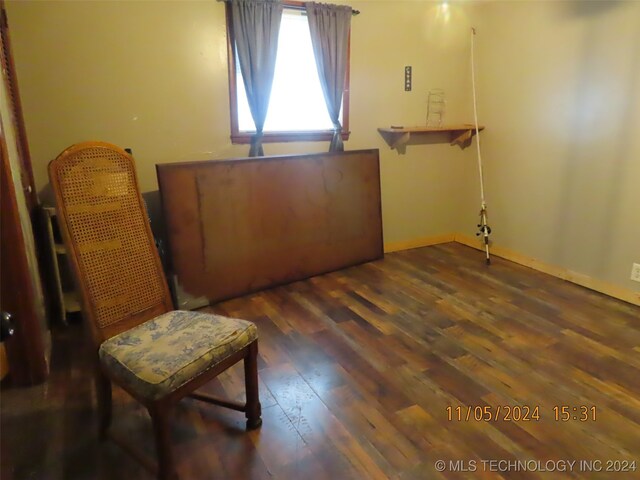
x=635, y=272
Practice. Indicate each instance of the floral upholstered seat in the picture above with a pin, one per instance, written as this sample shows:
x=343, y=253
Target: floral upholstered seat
x=162, y=354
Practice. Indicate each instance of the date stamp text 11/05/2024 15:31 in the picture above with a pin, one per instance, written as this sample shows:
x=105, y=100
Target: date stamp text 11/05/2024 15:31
x=521, y=413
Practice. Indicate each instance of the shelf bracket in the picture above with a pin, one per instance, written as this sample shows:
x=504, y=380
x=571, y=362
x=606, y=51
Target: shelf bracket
x=396, y=140
x=463, y=139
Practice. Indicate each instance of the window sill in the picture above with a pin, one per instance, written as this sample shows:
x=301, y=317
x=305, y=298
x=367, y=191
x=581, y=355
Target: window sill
x=298, y=136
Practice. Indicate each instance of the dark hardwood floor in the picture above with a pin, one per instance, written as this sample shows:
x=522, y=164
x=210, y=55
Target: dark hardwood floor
x=357, y=370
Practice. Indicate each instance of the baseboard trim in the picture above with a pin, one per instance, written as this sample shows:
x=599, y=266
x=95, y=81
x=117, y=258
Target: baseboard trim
x=591, y=283
x=586, y=281
x=418, y=242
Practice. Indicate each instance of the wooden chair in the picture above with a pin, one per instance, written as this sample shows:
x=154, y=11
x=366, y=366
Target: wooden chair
x=156, y=354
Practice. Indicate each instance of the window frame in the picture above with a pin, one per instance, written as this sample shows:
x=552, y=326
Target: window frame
x=238, y=137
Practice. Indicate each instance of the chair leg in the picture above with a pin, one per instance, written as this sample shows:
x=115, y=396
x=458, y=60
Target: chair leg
x=254, y=410
x=160, y=419
x=103, y=393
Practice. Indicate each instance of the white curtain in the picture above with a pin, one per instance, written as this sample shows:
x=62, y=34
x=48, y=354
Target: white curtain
x=329, y=26
x=256, y=24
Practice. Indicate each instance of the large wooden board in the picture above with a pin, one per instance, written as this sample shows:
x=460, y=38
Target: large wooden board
x=238, y=226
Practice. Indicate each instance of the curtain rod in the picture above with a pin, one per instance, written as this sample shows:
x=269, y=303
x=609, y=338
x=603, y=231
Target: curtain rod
x=298, y=6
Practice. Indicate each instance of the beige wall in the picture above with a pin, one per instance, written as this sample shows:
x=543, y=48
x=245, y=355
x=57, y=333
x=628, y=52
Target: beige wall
x=153, y=76
x=559, y=88
x=419, y=188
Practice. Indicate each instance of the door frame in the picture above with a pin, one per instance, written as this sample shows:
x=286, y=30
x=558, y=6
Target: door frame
x=11, y=82
x=19, y=281
x=25, y=349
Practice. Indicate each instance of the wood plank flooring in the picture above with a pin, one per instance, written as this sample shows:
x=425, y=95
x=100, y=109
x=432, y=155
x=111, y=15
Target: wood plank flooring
x=357, y=369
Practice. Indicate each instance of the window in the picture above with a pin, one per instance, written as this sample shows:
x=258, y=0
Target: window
x=297, y=109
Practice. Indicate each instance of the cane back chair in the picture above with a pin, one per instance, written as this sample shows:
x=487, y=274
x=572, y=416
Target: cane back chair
x=156, y=354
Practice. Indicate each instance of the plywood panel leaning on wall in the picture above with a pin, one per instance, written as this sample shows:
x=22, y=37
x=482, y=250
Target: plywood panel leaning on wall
x=237, y=226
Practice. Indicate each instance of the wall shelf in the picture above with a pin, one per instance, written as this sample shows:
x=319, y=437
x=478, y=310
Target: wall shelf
x=398, y=137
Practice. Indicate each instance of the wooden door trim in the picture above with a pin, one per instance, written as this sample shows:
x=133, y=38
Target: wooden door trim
x=11, y=81
x=25, y=350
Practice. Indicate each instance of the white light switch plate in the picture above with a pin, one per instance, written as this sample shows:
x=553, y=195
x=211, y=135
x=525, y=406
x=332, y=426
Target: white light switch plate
x=635, y=272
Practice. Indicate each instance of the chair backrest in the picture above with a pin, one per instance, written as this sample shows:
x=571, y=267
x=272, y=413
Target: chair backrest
x=108, y=238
